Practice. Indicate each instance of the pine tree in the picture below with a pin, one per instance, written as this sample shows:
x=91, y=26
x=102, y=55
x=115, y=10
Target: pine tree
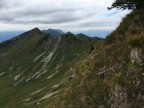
x=127, y=4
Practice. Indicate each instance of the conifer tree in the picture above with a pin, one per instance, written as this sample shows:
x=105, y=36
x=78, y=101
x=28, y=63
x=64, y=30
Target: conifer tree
x=127, y=4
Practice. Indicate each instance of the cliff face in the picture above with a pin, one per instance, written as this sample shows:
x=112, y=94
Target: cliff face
x=137, y=55
x=112, y=76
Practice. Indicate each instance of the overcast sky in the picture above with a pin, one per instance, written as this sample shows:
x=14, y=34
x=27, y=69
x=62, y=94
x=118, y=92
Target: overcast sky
x=68, y=15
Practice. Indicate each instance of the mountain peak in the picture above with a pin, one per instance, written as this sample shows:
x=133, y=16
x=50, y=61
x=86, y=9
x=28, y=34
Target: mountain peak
x=69, y=33
x=54, y=32
x=83, y=37
x=81, y=34
x=32, y=32
x=35, y=30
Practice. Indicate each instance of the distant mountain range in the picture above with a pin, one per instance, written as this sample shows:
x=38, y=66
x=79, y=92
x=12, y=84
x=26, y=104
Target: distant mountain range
x=10, y=34
x=53, y=32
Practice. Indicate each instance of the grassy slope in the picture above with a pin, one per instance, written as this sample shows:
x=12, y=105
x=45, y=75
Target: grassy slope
x=29, y=54
x=110, y=77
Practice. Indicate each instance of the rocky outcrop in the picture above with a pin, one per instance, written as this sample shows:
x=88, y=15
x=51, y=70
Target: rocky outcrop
x=137, y=55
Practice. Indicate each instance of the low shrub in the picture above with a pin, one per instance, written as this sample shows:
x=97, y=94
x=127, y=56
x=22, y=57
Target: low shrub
x=136, y=41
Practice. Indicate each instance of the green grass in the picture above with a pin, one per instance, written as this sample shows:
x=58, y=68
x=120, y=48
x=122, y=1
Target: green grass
x=21, y=54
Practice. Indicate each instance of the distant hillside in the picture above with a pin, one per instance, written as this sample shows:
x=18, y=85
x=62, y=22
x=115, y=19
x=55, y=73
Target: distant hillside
x=84, y=37
x=54, y=32
x=10, y=34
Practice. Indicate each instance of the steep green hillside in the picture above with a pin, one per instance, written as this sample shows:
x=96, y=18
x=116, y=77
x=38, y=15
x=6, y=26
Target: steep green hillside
x=35, y=67
x=112, y=76
x=131, y=26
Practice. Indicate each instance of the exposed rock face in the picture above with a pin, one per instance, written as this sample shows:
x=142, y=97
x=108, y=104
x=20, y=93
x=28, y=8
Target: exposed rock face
x=137, y=55
x=118, y=98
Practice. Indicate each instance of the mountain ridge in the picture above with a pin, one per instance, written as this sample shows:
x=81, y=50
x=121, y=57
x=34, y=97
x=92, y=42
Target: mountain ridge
x=54, y=32
x=35, y=64
x=9, y=35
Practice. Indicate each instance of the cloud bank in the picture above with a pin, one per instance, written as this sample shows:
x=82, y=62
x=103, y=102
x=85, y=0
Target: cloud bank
x=69, y=15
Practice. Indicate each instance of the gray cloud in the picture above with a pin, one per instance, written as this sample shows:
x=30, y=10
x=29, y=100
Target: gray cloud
x=66, y=14
x=45, y=17
x=7, y=4
x=37, y=14
x=46, y=20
